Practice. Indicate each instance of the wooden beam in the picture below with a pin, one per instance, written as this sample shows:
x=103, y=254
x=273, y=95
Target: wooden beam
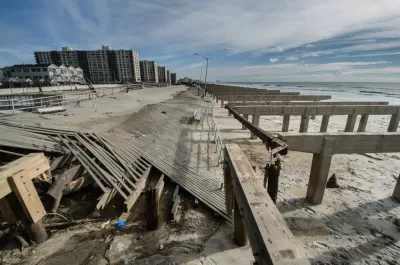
x=305, y=120
x=396, y=192
x=140, y=185
x=285, y=123
x=228, y=186
x=33, y=164
x=255, y=120
x=324, y=123
x=270, y=140
x=301, y=103
x=344, y=143
x=276, y=97
x=363, y=123
x=320, y=166
x=176, y=211
x=271, y=240
x=27, y=196
x=350, y=123
x=320, y=110
x=239, y=230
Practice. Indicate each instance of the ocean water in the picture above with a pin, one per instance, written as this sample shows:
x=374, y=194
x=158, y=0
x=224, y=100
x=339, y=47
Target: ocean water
x=389, y=92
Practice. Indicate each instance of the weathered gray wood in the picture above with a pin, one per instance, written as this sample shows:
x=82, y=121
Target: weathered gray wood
x=246, y=116
x=176, y=211
x=363, y=123
x=396, y=192
x=285, y=123
x=239, y=230
x=255, y=120
x=345, y=143
x=324, y=123
x=140, y=185
x=394, y=122
x=307, y=103
x=249, y=97
x=350, y=123
x=319, y=171
x=251, y=92
x=222, y=103
x=271, y=240
x=272, y=172
x=228, y=186
x=320, y=110
x=305, y=120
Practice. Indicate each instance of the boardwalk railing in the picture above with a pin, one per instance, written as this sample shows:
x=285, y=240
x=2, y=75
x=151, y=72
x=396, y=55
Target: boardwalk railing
x=256, y=217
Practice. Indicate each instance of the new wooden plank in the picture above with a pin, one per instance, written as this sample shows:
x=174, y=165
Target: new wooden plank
x=25, y=191
x=271, y=240
x=344, y=143
x=319, y=110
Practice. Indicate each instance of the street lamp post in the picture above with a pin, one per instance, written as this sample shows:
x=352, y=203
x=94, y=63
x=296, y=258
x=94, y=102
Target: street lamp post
x=201, y=74
x=205, y=80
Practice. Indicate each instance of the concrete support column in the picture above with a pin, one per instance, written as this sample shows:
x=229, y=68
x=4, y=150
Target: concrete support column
x=216, y=99
x=351, y=123
x=324, y=123
x=396, y=193
x=394, y=122
x=256, y=122
x=246, y=116
x=305, y=119
x=239, y=232
x=222, y=103
x=363, y=123
x=320, y=166
x=285, y=124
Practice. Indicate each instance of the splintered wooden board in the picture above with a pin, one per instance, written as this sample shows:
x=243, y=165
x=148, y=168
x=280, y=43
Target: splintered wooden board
x=25, y=191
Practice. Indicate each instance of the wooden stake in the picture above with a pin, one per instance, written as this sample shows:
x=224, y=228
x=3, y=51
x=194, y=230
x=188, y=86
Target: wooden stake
x=396, y=193
x=272, y=172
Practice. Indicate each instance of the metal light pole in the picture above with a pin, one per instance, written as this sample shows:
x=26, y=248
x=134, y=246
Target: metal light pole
x=201, y=74
x=205, y=80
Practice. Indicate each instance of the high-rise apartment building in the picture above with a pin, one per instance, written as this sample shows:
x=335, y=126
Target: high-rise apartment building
x=162, y=74
x=149, y=71
x=168, y=77
x=100, y=66
x=173, y=78
x=125, y=65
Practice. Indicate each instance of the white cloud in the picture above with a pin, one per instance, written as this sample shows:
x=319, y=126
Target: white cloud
x=291, y=58
x=309, y=46
x=273, y=60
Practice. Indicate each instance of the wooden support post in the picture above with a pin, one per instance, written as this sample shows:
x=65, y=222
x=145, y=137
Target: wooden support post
x=239, y=231
x=394, y=122
x=176, y=211
x=229, y=113
x=363, y=123
x=222, y=103
x=351, y=123
x=305, y=119
x=216, y=99
x=246, y=116
x=324, y=123
x=152, y=209
x=272, y=172
x=319, y=171
x=285, y=124
x=35, y=231
x=228, y=186
x=255, y=121
x=396, y=193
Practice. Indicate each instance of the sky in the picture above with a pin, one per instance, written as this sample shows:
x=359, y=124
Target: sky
x=245, y=40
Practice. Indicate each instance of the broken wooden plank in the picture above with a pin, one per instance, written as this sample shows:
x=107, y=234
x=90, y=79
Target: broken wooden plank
x=25, y=191
x=176, y=211
x=140, y=185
